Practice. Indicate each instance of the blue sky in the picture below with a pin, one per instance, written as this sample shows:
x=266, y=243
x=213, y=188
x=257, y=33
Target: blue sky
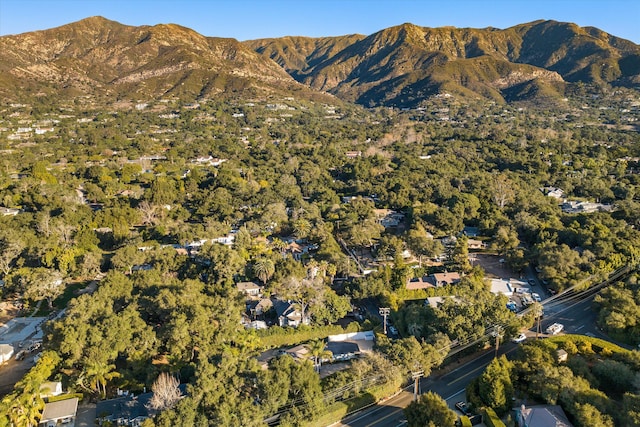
x=250, y=19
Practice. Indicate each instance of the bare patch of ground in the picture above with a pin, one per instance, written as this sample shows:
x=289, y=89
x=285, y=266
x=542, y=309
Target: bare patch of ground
x=490, y=263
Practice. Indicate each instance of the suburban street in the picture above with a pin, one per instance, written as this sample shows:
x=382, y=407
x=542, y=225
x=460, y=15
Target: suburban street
x=576, y=316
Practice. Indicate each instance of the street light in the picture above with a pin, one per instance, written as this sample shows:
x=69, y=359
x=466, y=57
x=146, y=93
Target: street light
x=384, y=312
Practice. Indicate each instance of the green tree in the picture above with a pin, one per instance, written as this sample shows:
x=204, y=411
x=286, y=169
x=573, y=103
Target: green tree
x=422, y=244
x=42, y=283
x=430, y=410
x=588, y=415
x=264, y=268
x=318, y=352
x=98, y=374
x=301, y=228
x=495, y=388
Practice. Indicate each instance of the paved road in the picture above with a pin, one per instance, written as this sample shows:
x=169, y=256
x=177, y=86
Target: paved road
x=450, y=386
x=577, y=317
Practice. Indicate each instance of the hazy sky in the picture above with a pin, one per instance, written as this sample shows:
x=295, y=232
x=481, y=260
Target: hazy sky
x=251, y=19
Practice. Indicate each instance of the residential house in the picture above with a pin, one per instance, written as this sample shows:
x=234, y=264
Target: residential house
x=343, y=350
x=296, y=250
x=63, y=411
x=554, y=192
x=416, y=283
x=250, y=289
x=433, y=280
x=473, y=244
x=541, y=416
x=225, y=240
x=573, y=206
x=340, y=351
x=389, y=218
x=446, y=278
x=127, y=409
x=288, y=314
x=259, y=307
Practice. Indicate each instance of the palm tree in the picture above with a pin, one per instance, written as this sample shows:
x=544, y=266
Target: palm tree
x=280, y=245
x=301, y=228
x=99, y=373
x=26, y=410
x=317, y=350
x=264, y=268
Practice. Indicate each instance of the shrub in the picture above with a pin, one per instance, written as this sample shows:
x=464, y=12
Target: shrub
x=491, y=419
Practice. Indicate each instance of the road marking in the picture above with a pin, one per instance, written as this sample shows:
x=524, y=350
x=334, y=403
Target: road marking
x=392, y=414
x=466, y=375
x=478, y=368
x=578, y=328
x=455, y=394
x=378, y=409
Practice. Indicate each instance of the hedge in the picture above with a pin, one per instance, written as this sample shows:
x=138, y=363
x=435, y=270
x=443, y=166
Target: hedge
x=596, y=343
x=64, y=397
x=338, y=410
x=465, y=421
x=491, y=419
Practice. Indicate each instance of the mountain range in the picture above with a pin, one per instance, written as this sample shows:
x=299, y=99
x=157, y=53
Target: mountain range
x=398, y=66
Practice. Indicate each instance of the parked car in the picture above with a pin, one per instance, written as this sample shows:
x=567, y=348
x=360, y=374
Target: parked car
x=532, y=282
x=462, y=407
x=393, y=330
x=536, y=297
x=511, y=305
x=555, y=329
x=519, y=338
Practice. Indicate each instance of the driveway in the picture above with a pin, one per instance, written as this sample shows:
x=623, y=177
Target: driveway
x=86, y=415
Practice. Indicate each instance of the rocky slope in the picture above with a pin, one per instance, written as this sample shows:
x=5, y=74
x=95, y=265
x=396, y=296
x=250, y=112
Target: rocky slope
x=401, y=65
x=99, y=57
x=398, y=66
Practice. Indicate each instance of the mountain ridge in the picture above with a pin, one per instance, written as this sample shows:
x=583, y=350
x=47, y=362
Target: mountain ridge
x=99, y=56
x=396, y=66
x=406, y=58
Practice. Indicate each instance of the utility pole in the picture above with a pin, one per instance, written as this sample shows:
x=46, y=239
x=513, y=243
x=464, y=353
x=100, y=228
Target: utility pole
x=538, y=310
x=384, y=312
x=496, y=333
x=416, y=375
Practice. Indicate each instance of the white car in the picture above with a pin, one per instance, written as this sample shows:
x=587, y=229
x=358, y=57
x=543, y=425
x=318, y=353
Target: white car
x=519, y=338
x=555, y=329
x=536, y=297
